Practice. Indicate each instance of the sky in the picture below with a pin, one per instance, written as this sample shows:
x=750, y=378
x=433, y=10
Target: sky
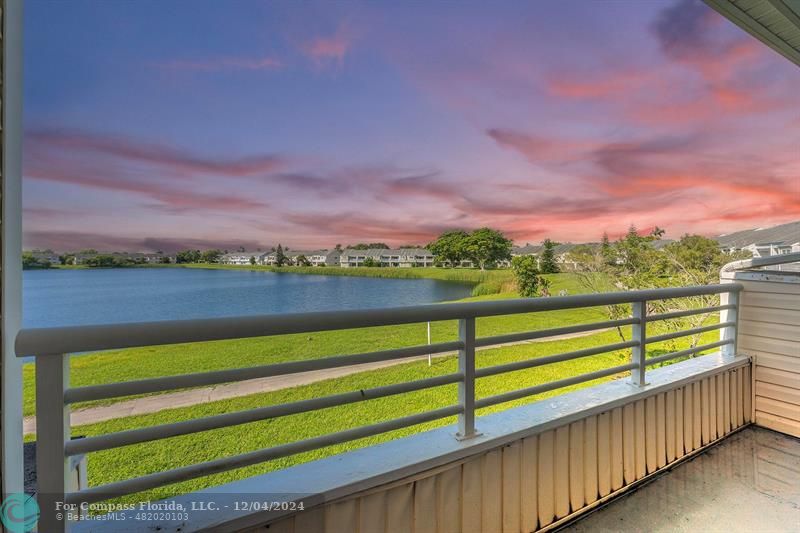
x=166, y=124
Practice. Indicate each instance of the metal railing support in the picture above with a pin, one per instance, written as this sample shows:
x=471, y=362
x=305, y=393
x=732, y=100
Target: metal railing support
x=639, y=352
x=466, y=388
x=730, y=315
x=52, y=432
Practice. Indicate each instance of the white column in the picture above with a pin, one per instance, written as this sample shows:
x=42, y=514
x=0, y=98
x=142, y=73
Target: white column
x=11, y=223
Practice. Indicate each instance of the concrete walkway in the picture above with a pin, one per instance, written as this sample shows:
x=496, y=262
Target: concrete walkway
x=189, y=397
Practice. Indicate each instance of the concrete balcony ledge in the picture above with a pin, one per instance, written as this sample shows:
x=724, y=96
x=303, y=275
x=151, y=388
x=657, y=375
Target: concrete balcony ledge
x=318, y=482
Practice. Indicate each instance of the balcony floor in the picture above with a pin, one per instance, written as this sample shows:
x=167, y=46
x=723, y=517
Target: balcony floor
x=749, y=482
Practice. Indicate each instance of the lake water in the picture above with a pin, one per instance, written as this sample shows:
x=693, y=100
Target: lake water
x=104, y=296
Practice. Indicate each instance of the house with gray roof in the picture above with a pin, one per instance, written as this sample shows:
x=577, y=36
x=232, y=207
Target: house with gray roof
x=763, y=242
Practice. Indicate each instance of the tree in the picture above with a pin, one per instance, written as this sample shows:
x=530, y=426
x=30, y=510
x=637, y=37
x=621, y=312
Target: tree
x=66, y=259
x=30, y=262
x=280, y=257
x=164, y=260
x=252, y=260
x=188, y=256
x=607, y=251
x=210, y=256
x=370, y=262
x=449, y=247
x=302, y=260
x=547, y=261
x=526, y=272
x=486, y=246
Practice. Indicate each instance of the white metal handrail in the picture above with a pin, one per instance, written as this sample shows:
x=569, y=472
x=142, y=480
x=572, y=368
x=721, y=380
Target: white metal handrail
x=54, y=395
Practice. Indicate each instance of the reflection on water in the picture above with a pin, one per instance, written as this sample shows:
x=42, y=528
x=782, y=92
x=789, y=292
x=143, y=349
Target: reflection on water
x=103, y=296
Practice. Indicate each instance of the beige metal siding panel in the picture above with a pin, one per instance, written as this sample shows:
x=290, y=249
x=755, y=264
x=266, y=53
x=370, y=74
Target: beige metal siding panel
x=425, y=505
x=680, y=451
x=399, y=510
x=492, y=492
x=697, y=417
x=767, y=314
x=511, y=488
x=310, y=520
x=651, y=446
x=771, y=300
x=726, y=402
x=448, y=500
x=284, y=526
x=778, y=408
x=774, y=376
x=628, y=443
x=604, y=453
x=576, y=465
x=640, y=442
x=561, y=472
x=341, y=516
x=778, y=392
x=787, y=363
x=739, y=397
x=661, y=431
x=590, y=467
x=471, y=495
x=546, y=489
x=670, y=419
x=528, y=483
x=784, y=425
x=712, y=408
x=786, y=332
x=372, y=515
x=705, y=425
x=749, y=394
x=749, y=344
x=752, y=287
x=688, y=418
x=617, y=459
x=720, y=386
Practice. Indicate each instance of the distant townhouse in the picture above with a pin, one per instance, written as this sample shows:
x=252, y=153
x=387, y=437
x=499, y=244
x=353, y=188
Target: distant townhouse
x=324, y=257
x=242, y=258
x=763, y=242
x=400, y=258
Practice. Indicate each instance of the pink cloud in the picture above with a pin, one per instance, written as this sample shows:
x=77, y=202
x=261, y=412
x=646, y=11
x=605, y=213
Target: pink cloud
x=330, y=49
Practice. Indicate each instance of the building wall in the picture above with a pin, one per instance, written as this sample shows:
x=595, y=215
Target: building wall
x=535, y=482
x=769, y=332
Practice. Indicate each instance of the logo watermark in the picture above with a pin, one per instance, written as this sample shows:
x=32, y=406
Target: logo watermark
x=19, y=513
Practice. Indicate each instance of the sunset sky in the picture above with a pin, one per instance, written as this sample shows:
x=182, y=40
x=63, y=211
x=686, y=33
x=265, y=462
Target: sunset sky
x=156, y=125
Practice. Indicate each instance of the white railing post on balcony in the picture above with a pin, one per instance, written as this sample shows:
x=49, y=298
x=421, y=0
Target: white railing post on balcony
x=730, y=333
x=639, y=352
x=52, y=432
x=466, y=387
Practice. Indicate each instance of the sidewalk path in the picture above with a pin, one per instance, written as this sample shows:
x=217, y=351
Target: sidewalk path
x=187, y=398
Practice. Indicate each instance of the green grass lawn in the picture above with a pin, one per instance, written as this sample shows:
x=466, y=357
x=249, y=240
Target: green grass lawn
x=141, y=459
x=155, y=361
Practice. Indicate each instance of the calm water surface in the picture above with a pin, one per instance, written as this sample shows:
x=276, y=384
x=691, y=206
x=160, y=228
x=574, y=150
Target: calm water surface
x=104, y=296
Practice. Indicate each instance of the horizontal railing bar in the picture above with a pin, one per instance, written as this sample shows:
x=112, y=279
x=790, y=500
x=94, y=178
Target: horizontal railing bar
x=689, y=312
x=557, y=358
x=63, y=340
x=159, y=479
x=164, y=431
x=689, y=351
x=687, y=332
x=542, y=334
x=553, y=385
x=144, y=386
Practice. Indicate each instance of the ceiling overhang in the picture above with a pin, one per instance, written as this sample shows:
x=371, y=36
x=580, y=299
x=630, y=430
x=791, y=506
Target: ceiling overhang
x=775, y=23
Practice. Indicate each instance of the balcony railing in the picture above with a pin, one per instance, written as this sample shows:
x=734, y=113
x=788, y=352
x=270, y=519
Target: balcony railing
x=50, y=347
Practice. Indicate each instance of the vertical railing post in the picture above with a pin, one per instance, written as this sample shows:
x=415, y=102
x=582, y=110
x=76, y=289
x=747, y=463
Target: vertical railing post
x=52, y=432
x=639, y=352
x=466, y=387
x=730, y=315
